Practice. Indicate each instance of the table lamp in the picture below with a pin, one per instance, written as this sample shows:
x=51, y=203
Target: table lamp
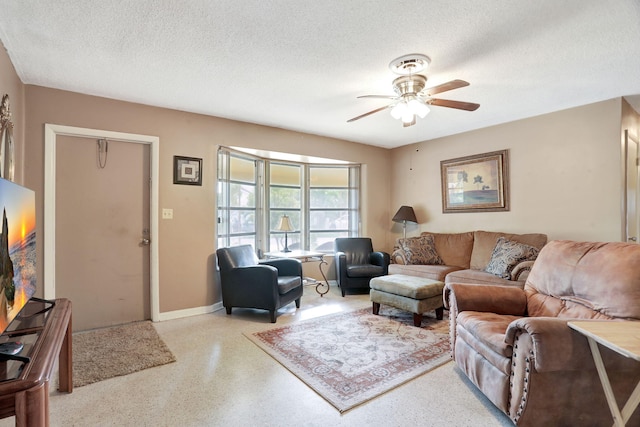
x=404, y=214
x=285, y=225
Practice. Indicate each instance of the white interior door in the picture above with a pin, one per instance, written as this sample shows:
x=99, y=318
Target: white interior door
x=632, y=194
x=102, y=230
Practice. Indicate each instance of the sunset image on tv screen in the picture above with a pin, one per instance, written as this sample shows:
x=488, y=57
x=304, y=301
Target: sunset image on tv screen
x=17, y=249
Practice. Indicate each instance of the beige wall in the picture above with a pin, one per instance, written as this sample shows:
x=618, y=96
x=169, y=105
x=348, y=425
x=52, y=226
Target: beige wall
x=564, y=167
x=187, y=242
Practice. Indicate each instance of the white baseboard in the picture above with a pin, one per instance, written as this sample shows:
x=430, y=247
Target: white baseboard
x=178, y=314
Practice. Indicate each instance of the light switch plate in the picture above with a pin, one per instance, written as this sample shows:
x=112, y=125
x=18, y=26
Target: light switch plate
x=167, y=213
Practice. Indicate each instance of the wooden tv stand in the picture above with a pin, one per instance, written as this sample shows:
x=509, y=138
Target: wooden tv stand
x=44, y=327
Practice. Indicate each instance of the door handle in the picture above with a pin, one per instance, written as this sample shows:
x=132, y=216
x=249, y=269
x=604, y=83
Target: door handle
x=633, y=239
x=145, y=242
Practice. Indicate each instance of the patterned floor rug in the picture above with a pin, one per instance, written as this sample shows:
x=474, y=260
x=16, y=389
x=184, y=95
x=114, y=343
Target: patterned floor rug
x=350, y=358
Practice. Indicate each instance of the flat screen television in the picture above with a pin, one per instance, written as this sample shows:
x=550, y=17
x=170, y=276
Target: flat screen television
x=17, y=250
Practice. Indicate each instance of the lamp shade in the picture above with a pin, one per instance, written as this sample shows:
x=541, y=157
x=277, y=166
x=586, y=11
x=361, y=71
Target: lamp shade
x=285, y=224
x=405, y=213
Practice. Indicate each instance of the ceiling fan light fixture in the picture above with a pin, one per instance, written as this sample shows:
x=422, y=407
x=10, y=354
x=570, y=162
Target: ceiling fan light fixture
x=399, y=109
x=418, y=108
x=411, y=123
x=408, y=117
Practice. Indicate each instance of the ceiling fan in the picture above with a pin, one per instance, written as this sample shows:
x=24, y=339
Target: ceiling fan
x=412, y=99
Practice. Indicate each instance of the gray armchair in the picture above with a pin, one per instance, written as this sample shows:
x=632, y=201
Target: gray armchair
x=250, y=283
x=356, y=263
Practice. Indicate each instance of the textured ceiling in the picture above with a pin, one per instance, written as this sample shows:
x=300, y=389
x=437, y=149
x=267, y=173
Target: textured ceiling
x=300, y=64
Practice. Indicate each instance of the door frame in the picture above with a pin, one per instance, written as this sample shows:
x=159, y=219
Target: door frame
x=630, y=139
x=51, y=132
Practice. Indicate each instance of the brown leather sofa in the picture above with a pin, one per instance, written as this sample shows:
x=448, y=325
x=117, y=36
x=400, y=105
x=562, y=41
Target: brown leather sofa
x=515, y=346
x=464, y=257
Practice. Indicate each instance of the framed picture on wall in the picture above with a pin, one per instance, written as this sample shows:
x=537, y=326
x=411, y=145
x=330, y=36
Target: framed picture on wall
x=187, y=170
x=478, y=183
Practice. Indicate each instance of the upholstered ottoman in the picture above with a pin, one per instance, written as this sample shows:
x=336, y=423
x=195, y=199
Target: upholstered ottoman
x=414, y=294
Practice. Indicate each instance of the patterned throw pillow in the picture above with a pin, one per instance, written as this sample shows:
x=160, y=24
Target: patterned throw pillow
x=507, y=254
x=420, y=250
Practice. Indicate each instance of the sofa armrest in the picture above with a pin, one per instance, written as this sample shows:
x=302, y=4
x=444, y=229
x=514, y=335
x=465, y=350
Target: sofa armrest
x=380, y=258
x=397, y=257
x=521, y=271
x=485, y=298
x=285, y=266
x=340, y=260
x=554, y=345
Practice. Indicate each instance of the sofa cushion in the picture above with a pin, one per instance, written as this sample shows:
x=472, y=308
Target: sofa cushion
x=420, y=250
x=454, y=248
x=566, y=271
x=364, y=270
x=485, y=241
x=479, y=277
x=489, y=330
x=433, y=272
x=507, y=254
x=287, y=283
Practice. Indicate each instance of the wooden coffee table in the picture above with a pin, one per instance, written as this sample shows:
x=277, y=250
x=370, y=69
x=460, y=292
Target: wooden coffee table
x=622, y=337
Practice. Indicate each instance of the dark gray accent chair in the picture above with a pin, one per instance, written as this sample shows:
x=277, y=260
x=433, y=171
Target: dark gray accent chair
x=356, y=263
x=250, y=283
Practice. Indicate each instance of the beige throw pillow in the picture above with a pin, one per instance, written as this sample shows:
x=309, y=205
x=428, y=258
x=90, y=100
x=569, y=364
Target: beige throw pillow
x=507, y=254
x=420, y=250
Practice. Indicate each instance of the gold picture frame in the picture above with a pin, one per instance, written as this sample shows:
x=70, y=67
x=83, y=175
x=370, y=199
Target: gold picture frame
x=7, y=166
x=478, y=183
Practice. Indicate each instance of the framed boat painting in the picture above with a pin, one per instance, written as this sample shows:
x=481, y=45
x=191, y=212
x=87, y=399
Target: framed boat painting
x=478, y=183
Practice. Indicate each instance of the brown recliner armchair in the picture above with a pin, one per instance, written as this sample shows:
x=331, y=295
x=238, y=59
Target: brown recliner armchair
x=250, y=283
x=356, y=263
x=515, y=346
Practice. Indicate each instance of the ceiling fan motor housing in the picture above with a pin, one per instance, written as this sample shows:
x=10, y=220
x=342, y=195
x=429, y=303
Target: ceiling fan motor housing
x=409, y=85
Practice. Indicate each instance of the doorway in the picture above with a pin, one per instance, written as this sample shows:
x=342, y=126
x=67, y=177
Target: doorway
x=81, y=242
x=102, y=224
x=632, y=188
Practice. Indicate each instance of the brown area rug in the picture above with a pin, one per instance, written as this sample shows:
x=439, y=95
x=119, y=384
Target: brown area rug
x=349, y=358
x=111, y=352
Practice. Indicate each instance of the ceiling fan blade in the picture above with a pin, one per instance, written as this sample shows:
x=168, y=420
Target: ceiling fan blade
x=378, y=96
x=453, y=84
x=369, y=113
x=469, y=106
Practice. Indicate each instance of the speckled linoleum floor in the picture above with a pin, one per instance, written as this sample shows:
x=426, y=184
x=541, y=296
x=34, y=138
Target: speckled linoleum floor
x=222, y=379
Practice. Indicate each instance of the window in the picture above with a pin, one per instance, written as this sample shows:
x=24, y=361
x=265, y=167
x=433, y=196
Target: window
x=237, y=201
x=285, y=198
x=333, y=205
x=321, y=200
